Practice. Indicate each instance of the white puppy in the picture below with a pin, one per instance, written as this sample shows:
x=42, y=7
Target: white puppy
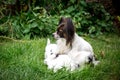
x=60, y=62
x=57, y=62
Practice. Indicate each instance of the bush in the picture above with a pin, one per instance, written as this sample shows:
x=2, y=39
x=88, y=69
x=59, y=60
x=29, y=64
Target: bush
x=88, y=18
x=30, y=25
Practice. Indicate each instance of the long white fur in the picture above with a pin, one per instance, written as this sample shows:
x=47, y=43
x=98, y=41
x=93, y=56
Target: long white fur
x=82, y=57
x=78, y=44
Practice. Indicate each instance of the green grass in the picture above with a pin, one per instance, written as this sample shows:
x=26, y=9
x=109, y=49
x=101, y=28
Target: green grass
x=23, y=60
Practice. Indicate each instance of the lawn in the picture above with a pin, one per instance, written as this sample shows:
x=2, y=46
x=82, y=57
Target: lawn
x=23, y=60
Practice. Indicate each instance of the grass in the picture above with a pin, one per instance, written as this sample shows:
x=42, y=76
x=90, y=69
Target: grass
x=23, y=60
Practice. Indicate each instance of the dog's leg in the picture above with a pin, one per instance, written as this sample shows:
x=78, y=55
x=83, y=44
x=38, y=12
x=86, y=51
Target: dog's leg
x=95, y=61
x=57, y=67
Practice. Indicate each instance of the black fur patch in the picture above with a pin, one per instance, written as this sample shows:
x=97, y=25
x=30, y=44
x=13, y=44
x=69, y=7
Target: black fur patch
x=90, y=59
x=66, y=30
x=57, y=55
x=78, y=65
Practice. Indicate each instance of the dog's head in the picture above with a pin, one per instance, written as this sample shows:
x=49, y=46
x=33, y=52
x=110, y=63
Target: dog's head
x=50, y=49
x=65, y=30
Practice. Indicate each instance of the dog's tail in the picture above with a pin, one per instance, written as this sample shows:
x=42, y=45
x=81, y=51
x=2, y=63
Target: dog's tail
x=48, y=41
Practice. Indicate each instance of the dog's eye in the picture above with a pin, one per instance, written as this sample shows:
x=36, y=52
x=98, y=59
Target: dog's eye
x=51, y=53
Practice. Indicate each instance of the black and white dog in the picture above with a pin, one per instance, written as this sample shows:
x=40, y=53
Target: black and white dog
x=68, y=41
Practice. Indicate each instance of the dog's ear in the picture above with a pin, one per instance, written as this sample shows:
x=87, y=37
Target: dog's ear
x=48, y=41
x=61, y=20
x=61, y=25
x=70, y=29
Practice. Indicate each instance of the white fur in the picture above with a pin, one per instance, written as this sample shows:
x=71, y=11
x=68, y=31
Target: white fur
x=59, y=62
x=50, y=48
x=82, y=57
x=68, y=58
x=78, y=44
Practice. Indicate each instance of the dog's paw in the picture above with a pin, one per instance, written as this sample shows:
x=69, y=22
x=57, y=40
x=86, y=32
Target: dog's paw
x=50, y=67
x=96, y=63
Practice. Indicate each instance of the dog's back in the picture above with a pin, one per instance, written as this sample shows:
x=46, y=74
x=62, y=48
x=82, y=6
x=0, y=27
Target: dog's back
x=83, y=57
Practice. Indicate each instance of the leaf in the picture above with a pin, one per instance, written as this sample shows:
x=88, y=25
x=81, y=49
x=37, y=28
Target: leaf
x=37, y=8
x=70, y=9
x=27, y=36
x=83, y=3
x=62, y=12
x=91, y=29
x=31, y=20
x=26, y=31
x=33, y=25
x=35, y=30
x=107, y=18
x=72, y=1
x=103, y=24
x=118, y=17
x=36, y=14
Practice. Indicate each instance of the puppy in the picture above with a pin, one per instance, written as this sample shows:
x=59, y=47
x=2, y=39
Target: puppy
x=57, y=62
x=60, y=62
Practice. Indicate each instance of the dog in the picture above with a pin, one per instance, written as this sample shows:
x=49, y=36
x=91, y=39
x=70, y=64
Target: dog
x=57, y=62
x=60, y=62
x=68, y=41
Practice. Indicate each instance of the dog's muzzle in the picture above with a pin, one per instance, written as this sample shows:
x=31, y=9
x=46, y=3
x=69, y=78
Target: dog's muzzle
x=55, y=35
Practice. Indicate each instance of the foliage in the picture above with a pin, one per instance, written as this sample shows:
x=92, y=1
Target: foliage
x=30, y=25
x=34, y=25
x=88, y=18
